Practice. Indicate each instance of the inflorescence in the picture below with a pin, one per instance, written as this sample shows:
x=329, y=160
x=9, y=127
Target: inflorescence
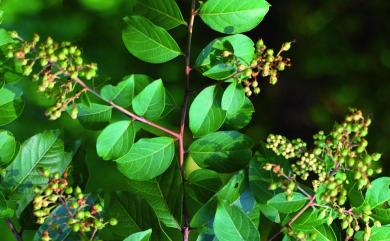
x=266, y=64
x=56, y=67
x=336, y=159
x=82, y=215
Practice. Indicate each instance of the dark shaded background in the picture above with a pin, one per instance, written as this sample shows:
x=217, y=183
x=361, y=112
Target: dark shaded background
x=341, y=59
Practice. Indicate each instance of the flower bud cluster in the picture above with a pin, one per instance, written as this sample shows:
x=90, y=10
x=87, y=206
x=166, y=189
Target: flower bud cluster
x=336, y=159
x=282, y=146
x=56, y=67
x=266, y=64
x=82, y=216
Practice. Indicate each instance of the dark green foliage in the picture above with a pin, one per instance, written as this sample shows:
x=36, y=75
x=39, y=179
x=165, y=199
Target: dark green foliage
x=163, y=167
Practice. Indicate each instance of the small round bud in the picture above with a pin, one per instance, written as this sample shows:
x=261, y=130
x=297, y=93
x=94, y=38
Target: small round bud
x=113, y=221
x=286, y=46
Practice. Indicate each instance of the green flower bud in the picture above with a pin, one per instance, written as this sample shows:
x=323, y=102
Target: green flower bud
x=76, y=227
x=113, y=222
x=376, y=157
x=286, y=46
x=80, y=215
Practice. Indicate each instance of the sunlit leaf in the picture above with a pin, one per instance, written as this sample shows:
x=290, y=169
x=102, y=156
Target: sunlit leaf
x=233, y=16
x=149, y=42
x=147, y=158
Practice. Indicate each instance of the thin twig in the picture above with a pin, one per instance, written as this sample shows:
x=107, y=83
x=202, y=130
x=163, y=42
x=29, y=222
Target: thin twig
x=15, y=232
x=186, y=227
x=126, y=112
x=296, y=216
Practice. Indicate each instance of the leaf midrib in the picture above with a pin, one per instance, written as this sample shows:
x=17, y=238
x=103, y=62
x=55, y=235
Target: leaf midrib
x=154, y=41
x=34, y=166
x=180, y=21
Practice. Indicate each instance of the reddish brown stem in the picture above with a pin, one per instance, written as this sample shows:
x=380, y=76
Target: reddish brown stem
x=296, y=216
x=184, y=110
x=126, y=112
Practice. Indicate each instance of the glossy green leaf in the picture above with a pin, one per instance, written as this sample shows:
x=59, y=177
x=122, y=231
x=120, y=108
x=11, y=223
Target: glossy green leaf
x=241, y=46
x=140, y=236
x=115, y=140
x=378, y=192
x=233, y=16
x=147, y=158
x=165, y=13
x=308, y=221
x=94, y=116
x=205, y=113
x=123, y=93
x=150, y=103
x=324, y=233
x=134, y=215
x=223, y=151
x=44, y=150
x=231, y=223
x=213, y=65
x=238, y=107
x=283, y=205
x=163, y=194
x=377, y=234
x=149, y=42
x=8, y=147
x=228, y=193
x=220, y=71
x=11, y=105
x=5, y=37
x=204, y=183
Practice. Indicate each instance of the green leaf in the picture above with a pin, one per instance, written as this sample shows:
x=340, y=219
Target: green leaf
x=11, y=105
x=213, y=65
x=150, y=103
x=149, y=42
x=163, y=194
x=140, y=236
x=238, y=107
x=134, y=215
x=123, y=93
x=220, y=71
x=115, y=140
x=377, y=234
x=232, y=224
x=44, y=150
x=147, y=158
x=205, y=113
x=283, y=205
x=8, y=147
x=233, y=98
x=223, y=151
x=310, y=219
x=241, y=46
x=324, y=233
x=243, y=116
x=233, y=16
x=164, y=13
x=378, y=192
x=5, y=38
x=204, y=183
x=229, y=193
x=95, y=116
